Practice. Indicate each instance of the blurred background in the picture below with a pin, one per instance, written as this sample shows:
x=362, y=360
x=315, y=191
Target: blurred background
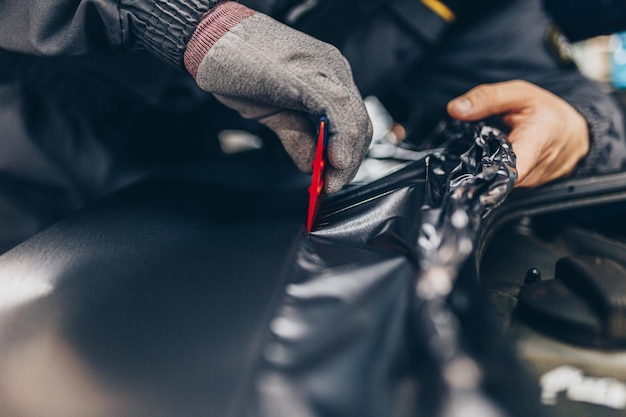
x=597, y=32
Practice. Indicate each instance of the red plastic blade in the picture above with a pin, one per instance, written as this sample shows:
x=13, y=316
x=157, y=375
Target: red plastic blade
x=317, y=180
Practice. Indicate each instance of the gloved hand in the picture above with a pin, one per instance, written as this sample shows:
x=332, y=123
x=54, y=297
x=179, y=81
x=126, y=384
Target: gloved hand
x=272, y=73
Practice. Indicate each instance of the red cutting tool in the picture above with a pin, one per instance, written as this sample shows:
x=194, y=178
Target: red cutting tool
x=317, y=181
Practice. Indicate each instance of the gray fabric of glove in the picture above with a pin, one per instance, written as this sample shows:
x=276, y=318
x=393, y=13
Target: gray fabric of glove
x=272, y=73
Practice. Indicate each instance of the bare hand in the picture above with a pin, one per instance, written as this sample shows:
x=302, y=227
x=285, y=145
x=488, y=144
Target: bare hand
x=548, y=135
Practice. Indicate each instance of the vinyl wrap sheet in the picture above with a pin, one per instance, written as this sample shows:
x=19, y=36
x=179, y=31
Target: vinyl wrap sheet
x=365, y=327
x=166, y=299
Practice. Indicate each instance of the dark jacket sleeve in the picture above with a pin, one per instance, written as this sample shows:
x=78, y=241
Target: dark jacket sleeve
x=606, y=129
x=78, y=27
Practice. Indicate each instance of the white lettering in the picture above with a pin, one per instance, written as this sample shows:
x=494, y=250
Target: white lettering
x=570, y=380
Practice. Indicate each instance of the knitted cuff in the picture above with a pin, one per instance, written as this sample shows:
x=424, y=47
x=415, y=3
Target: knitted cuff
x=211, y=28
x=161, y=27
x=601, y=138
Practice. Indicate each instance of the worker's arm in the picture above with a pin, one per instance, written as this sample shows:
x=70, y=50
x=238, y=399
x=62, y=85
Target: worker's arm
x=585, y=131
x=552, y=136
x=261, y=68
x=78, y=27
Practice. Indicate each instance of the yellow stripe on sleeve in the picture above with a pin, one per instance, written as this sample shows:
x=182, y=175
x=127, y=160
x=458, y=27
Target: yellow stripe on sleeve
x=440, y=9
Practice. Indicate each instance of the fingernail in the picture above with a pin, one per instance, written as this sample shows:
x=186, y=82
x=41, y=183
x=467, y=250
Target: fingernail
x=462, y=105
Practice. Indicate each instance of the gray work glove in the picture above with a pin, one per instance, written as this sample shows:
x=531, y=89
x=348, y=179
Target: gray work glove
x=272, y=73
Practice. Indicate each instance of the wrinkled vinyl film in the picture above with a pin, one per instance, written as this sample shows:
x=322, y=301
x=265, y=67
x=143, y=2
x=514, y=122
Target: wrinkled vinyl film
x=365, y=326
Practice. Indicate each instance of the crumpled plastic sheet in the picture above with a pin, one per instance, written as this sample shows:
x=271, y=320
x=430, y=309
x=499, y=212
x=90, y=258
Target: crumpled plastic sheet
x=366, y=326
